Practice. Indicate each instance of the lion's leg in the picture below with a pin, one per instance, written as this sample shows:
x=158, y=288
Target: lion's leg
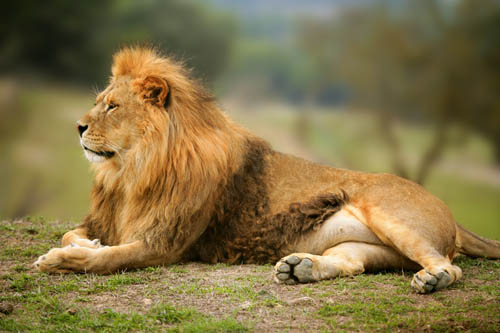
x=104, y=260
x=429, y=243
x=345, y=259
x=79, y=237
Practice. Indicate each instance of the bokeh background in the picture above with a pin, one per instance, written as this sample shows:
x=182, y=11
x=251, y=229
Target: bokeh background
x=410, y=87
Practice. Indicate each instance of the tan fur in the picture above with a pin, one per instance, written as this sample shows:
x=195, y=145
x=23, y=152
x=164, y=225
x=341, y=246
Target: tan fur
x=178, y=180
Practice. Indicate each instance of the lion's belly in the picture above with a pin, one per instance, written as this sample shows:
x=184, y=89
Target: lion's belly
x=232, y=243
x=339, y=228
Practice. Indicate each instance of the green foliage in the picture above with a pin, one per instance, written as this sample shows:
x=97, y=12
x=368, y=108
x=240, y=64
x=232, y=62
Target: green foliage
x=416, y=61
x=75, y=40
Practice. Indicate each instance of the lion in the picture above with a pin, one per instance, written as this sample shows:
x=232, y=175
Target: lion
x=177, y=180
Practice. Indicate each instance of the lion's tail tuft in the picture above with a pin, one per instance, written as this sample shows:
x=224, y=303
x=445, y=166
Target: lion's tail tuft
x=473, y=245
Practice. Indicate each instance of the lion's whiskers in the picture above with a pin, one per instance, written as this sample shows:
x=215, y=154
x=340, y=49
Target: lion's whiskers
x=115, y=149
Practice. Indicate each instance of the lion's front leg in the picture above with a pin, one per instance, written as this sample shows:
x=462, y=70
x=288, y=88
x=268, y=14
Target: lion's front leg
x=79, y=237
x=103, y=260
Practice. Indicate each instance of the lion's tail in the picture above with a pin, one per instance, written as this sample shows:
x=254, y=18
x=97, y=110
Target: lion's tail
x=476, y=246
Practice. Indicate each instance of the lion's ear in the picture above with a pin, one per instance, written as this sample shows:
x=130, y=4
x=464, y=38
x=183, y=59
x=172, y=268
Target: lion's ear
x=154, y=90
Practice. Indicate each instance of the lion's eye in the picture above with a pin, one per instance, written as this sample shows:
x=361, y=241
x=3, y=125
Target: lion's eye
x=111, y=106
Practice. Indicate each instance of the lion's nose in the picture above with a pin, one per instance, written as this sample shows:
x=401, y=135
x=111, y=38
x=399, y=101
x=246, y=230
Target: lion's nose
x=81, y=128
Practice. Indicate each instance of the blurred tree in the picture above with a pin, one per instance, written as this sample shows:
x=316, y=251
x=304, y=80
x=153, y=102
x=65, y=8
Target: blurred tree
x=422, y=60
x=482, y=25
x=188, y=30
x=75, y=40
x=62, y=38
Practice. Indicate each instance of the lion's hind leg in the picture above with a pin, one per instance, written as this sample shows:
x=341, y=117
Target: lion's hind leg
x=345, y=259
x=425, y=236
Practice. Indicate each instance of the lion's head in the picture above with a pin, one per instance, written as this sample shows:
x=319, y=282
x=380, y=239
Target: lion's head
x=135, y=102
x=151, y=108
x=155, y=131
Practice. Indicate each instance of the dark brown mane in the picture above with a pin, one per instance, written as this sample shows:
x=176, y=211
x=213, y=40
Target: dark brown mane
x=242, y=229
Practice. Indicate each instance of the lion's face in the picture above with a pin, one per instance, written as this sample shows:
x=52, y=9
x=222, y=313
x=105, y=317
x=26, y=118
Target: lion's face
x=110, y=128
x=115, y=124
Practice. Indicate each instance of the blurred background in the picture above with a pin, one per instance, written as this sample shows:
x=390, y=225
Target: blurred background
x=410, y=87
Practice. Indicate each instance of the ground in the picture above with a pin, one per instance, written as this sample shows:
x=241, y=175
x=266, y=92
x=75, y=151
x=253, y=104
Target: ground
x=197, y=297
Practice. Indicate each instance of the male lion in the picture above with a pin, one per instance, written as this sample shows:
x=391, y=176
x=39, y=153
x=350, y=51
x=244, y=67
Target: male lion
x=176, y=180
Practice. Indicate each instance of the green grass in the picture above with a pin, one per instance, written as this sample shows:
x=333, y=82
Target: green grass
x=375, y=309
x=88, y=302
x=222, y=298
x=168, y=314
x=116, y=281
x=211, y=325
x=56, y=316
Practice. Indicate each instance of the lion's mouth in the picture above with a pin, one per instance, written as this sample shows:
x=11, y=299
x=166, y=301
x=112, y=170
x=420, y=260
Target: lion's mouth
x=105, y=154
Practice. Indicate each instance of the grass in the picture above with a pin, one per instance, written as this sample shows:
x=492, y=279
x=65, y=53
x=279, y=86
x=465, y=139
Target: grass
x=57, y=317
x=194, y=297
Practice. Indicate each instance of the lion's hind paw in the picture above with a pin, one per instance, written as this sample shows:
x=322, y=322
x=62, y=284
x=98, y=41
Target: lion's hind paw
x=429, y=280
x=293, y=270
x=424, y=282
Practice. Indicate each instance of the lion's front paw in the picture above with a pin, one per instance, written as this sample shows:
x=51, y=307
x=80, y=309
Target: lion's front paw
x=65, y=260
x=51, y=262
x=294, y=269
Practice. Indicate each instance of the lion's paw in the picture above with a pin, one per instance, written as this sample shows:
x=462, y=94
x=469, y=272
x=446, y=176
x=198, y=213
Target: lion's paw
x=51, y=261
x=429, y=280
x=72, y=258
x=293, y=269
